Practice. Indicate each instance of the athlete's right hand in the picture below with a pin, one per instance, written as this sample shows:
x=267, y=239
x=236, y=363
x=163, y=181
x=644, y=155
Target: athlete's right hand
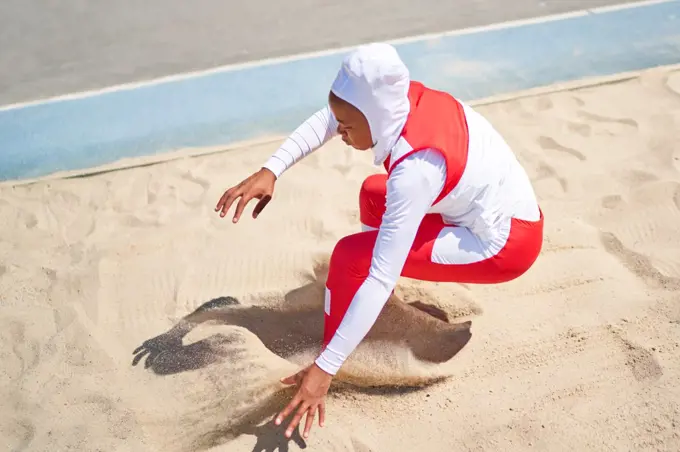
x=260, y=185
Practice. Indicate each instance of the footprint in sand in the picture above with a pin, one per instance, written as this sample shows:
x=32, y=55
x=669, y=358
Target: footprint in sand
x=549, y=144
x=641, y=361
x=580, y=102
x=637, y=263
x=581, y=129
x=604, y=119
x=611, y=201
x=607, y=126
x=546, y=171
x=636, y=178
x=640, y=229
x=633, y=179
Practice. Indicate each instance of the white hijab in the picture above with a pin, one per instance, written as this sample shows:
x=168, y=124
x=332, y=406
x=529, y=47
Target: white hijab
x=375, y=80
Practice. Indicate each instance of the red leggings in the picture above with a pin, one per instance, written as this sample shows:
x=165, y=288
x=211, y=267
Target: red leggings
x=351, y=258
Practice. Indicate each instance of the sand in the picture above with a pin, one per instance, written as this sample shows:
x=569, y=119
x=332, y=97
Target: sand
x=581, y=353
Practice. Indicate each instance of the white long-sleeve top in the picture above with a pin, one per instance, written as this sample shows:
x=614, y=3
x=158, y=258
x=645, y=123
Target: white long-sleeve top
x=411, y=189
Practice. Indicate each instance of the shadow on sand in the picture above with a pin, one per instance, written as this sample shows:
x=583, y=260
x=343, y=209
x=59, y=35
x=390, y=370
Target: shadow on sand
x=294, y=326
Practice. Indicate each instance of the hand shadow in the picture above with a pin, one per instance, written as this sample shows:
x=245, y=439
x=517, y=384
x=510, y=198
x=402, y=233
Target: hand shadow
x=166, y=354
x=257, y=422
x=271, y=437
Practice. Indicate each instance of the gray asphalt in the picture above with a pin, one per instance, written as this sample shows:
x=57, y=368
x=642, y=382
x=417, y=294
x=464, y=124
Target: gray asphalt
x=52, y=47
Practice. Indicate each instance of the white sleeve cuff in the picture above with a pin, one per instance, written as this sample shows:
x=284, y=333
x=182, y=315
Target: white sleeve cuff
x=275, y=165
x=329, y=362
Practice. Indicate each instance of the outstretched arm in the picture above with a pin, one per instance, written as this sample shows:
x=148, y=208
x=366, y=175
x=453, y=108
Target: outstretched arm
x=317, y=130
x=308, y=137
x=411, y=188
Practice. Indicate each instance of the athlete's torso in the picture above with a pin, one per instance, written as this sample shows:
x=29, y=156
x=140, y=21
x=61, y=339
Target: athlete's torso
x=485, y=183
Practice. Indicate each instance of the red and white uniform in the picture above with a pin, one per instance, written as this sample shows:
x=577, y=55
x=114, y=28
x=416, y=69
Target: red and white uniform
x=454, y=206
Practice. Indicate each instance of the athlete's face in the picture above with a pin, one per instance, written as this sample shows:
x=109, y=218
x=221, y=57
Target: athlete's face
x=352, y=124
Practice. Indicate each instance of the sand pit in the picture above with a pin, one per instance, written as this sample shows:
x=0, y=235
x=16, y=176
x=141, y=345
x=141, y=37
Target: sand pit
x=134, y=319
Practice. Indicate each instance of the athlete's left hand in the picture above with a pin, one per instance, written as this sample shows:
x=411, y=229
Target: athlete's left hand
x=310, y=398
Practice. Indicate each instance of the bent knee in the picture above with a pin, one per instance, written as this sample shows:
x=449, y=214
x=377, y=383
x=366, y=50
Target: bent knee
x=372, y=200
x=352, y=255
x=374, y=187
x=375, y=183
